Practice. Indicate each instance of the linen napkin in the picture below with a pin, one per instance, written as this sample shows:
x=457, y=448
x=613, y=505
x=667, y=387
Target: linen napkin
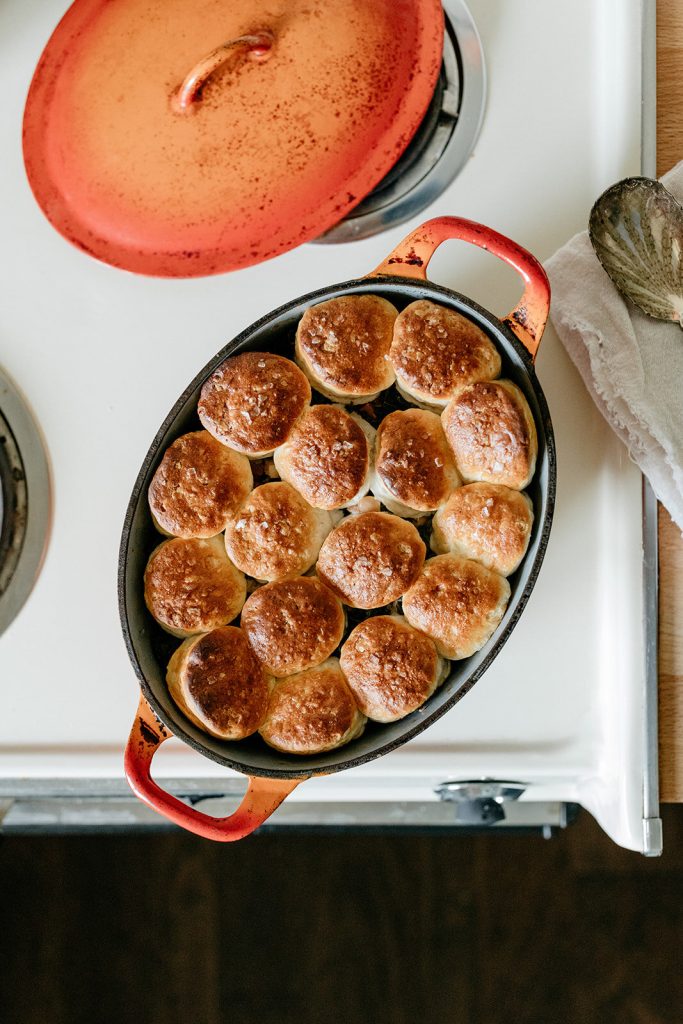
x=631, y=364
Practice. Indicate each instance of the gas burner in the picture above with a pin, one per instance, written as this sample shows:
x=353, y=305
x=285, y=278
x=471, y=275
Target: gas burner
x=442, y=143
x=24, y=502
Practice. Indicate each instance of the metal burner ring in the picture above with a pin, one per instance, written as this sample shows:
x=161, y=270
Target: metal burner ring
x=25, y=505
x=463, y=96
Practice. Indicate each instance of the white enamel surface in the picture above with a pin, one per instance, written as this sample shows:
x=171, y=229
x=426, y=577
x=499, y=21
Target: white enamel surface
x=102, y=355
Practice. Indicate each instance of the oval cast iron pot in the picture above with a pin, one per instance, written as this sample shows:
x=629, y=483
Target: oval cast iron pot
x=401, y=278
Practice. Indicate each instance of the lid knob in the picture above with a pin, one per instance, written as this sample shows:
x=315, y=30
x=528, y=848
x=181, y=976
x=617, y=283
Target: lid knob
x=251, y=47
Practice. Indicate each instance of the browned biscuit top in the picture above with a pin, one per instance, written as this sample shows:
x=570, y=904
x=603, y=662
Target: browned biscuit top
x=413, y=459
x=198, y=485
x=371, y=559
x=346, y=341
x=390, y=667
x=487, y=522
x=224, y=682
x=326, y=457
x=457, y=602
x=436, y=350
x=275, y=534
x=252, y=401
x=312, y=711
x=191, y=586
x=491, y=432
x=293, y=625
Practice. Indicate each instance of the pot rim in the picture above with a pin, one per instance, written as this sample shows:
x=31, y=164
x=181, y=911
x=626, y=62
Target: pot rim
x=411, y=289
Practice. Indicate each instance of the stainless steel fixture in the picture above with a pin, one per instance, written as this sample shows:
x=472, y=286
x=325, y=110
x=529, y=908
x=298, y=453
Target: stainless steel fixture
x=24, y=501
x=442, y=144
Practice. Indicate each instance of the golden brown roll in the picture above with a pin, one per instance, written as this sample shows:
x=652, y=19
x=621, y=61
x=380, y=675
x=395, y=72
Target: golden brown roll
x=436, y=351
x=414, y=466
x=492, y=433
x=199, y=484
x=342, y=346
x=219, y=684
x=252, y=401
x=391, y=668
x=276, y=535
x=458, y=603
x=293, y=625
x=371, y=559
x=312, y=711
x=486, y=522
x=191, y=586
x=328, y=457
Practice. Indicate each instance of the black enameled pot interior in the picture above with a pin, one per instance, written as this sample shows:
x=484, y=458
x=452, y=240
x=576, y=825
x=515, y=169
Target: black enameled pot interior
x=150, y=647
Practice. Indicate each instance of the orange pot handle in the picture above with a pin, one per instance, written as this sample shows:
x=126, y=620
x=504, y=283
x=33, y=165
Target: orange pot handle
x=263, y=795
x=411, y=257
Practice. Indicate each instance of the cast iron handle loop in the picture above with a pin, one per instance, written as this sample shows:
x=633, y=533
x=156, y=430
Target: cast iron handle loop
x=256, y=46
x=263, y=795
x=411, y=257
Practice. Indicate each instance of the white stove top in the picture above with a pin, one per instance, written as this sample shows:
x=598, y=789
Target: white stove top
x=102, y=355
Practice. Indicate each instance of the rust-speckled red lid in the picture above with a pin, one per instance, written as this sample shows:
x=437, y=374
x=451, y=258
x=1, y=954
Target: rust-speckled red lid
x=187, y=137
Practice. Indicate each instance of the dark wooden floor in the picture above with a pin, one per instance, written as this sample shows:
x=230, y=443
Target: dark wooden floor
x=341, y=928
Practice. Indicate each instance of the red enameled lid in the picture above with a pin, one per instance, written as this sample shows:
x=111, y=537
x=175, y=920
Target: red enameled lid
x=187, y=137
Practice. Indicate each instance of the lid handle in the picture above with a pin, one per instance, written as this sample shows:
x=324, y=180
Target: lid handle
x=253, y=47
